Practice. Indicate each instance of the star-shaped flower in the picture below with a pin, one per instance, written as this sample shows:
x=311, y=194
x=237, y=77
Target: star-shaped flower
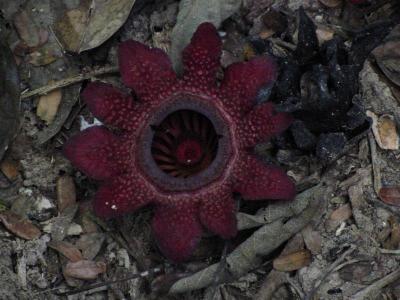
x=185, y=145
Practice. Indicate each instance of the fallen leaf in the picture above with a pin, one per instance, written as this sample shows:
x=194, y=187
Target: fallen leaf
x=274, y=23
x=191, y=14
x=387, y=56
x=66, y=193
x=312, y=239
x=394, y=241
x=84, y=269
x=390, y=195
x=48, y=106
x=361, y=273
x=41, y=57
x=9, y=97
x=19, y=226
x=10, y=169
x=331, y=3
x=293, y=261
x=26, y=28
x=67, y=249
x=385, y=131
x=90, y=244
x=92, y=23
x=339, y=215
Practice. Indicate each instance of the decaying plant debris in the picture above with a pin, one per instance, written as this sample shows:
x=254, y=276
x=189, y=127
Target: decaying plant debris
x=339, y=77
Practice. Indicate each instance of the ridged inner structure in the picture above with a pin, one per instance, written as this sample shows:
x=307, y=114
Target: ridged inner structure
x=184, y=144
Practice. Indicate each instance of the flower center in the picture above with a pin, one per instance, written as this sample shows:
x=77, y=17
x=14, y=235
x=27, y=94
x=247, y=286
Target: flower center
x=189, y=152
x=184, y=144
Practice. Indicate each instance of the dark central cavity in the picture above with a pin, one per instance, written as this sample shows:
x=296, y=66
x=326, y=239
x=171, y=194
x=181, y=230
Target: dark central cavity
x=184, y=144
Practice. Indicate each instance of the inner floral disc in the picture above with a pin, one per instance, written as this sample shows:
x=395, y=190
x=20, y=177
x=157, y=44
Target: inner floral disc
x=184, y=144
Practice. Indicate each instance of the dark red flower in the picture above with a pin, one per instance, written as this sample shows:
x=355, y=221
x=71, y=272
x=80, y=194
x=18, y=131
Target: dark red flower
x=185, y=147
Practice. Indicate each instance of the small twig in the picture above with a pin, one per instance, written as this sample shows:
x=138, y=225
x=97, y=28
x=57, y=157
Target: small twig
x=371, y=291
x=295, y=286
x=375, y=163
x=329, y=271
x=101, y=284
x=68, y=81
x=389, y=251
x=284, y=44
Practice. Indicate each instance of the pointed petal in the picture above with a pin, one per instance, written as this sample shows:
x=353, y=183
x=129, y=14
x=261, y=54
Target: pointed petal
x=262, y=123
x=218, y=213
x=147, y=71
x=123, y=194
x=201, y=57
x=112, y=106
x=255, y=180
x=91, y=151
x=177, y=230
x=242, y=82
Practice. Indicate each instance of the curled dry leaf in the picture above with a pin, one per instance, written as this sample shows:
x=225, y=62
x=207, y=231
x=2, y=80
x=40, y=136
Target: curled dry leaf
x=312, y=239
x=331, y=3
x=387, y=56
x=67, y=249
x=10, y=169
x=92, y=23
x=292, y=261
x=390, y=195
x=385, y=131
x=339, y=215
x=84, y=269
x=28, y=32
x=66, y=193
x=90, y=244
x=21, y=227
x=48, y=106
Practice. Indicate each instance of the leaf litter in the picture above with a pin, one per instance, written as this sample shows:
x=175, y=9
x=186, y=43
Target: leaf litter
x=68, y=41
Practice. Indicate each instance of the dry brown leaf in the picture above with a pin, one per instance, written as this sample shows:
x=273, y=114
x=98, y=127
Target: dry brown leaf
x=48, y=106
x=331, y=3
x=312, y=239
x=385, y=131
x=324, y=34
x=90, y=244
x=92, y=23
x=66, y=193
x=26, y=29
x=43, y=56
x=67, y=249
x=84, y=269
x=339, y=215
x=293, y=261
x=390, y=195
x=19, y=226
x=10, y=169
x=387, y=56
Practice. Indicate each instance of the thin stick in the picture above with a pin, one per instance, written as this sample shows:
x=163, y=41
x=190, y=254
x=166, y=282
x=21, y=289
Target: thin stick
x=389, y=251
x=370, y=292
x=101, y=284
x=331, y=269
x=68, y=81
x=375, y=163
